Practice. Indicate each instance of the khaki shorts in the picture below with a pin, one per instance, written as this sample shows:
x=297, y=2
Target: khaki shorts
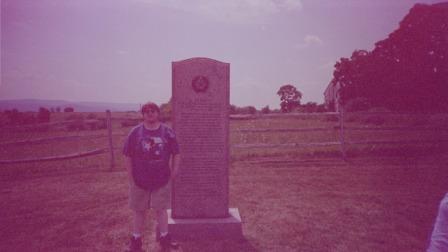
x=140, y=199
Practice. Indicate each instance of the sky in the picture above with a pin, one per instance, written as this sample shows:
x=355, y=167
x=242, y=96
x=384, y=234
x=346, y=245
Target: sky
x=121, y=50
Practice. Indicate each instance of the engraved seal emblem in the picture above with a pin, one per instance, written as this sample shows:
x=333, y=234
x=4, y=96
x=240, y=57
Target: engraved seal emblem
x=200, y=84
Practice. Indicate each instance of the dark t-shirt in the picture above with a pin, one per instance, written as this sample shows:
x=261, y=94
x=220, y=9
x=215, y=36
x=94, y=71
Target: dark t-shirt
x=150, y=152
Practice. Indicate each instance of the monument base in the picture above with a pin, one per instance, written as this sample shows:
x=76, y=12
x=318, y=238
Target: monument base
x=214, y=228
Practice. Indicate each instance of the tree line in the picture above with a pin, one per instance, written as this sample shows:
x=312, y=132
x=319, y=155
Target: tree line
x=15, y=117
x=407, y=71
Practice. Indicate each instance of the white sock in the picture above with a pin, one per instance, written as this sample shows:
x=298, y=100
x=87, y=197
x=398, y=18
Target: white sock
x=163, y=234
x=136, y=236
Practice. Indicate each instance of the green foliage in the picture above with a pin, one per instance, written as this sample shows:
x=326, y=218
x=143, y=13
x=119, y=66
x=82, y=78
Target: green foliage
x=69, y=109
x=265, y=110
x=166, y=111
x=233, y=109
x=13, y=116
x=252, y=110
x=289, y=97
x=44, y=115
x=406, y=71
x=242, y=110
x=357, y=104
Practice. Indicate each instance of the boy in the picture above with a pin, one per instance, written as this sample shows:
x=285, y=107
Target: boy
x=148, y=150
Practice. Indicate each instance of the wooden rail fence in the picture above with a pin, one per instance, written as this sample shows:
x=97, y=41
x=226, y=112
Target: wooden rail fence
x=340, y=127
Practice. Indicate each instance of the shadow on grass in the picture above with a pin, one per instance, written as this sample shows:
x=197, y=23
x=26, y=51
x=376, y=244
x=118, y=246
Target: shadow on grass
x=242, y=244
x=31, y=172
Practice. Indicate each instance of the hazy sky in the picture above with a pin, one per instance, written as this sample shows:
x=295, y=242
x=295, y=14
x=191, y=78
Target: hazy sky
x=121, y=50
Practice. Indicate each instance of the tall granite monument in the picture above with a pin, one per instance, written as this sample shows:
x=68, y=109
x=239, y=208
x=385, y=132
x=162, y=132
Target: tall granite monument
x=200, y=196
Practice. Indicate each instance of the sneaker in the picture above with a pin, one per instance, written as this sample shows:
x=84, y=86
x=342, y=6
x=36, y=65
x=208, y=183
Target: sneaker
x=135, y=245
x=168, y=242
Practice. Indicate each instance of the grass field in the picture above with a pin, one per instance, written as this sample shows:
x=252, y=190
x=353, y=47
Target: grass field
x=384, y=198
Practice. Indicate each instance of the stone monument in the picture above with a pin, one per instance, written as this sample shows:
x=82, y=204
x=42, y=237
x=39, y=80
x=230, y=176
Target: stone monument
x=200, y=195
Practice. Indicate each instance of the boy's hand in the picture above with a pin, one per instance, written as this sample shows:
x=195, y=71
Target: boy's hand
x=174, y=174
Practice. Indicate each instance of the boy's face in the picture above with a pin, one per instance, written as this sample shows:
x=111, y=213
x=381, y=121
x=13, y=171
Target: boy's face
x=151, y=116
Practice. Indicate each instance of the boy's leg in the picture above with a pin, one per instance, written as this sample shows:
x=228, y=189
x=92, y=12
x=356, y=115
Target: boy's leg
x=162, y=221
x=138, y=203
x=139, y=222
x=160, y=202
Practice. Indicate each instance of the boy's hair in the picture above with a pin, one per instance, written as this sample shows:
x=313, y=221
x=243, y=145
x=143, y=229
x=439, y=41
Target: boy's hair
x=150, y=106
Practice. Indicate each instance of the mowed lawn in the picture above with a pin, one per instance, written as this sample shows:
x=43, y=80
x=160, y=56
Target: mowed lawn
x=368, y=204
x=381, y=199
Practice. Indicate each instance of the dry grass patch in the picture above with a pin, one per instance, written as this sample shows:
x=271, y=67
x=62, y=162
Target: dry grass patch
x=368, y=204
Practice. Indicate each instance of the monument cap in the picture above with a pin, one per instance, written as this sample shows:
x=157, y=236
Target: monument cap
x=150, y=106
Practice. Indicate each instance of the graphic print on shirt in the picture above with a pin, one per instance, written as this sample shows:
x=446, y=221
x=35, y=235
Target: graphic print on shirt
x=152, y=147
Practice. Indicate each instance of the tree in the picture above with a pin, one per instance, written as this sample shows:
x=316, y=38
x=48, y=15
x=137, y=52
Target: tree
x=289, y=97
x=252, y=110
x=166, y=111
x=13, y=116
x=242, y=110
x=44, y=115
x=407, y=71
x=233, y=109
x=310, y=107
x=265, y=110
x=69, y=109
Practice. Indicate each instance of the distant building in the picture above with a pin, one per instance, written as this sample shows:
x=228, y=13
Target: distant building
x=331, y=96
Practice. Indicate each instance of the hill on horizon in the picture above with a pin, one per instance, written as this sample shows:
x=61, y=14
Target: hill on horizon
x=25, y=105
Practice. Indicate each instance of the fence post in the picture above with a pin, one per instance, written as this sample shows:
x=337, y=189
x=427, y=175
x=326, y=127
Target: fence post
x=341, y=131
x=111, y=147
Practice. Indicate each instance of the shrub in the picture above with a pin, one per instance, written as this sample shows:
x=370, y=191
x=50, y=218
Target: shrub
x=165, y=111
x=233, y=109
x=357, y=104
x=309, y=107
x=13, y=116
x=69, y=109
x=242, y=110
x=91, y=116
x=252, y=110
x=44, y=115
x=321, y=108
x=265, y=110
x=28, y=118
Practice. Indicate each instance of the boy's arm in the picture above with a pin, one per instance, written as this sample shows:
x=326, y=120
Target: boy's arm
x=175, y=165
x=128, y=166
